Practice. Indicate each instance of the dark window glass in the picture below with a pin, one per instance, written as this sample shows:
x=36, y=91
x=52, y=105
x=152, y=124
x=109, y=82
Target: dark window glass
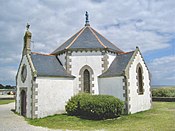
x=86, y=81
x=140, y=81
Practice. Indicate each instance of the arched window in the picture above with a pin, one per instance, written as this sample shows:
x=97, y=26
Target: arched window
x=140, y=79
x=86, y=78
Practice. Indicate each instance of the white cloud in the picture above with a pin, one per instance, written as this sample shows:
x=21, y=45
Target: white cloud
x=163, y=70
x=128, y=37
x=7, y=74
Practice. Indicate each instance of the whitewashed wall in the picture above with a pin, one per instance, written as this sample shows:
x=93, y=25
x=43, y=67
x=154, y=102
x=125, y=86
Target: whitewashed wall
x=62, y=59
x=53, y=93
x=112, y=86
x=92, y=59
x=138, y=102
x=111, y=57
x=27, y=84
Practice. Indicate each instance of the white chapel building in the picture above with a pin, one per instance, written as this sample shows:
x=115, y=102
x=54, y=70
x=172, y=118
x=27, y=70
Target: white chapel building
x=86, y=62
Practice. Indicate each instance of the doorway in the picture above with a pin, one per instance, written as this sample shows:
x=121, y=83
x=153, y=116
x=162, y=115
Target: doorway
x=23, y=103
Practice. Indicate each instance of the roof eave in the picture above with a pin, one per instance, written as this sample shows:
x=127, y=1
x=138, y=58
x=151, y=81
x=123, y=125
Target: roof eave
x=116, y=75
x=86, y=49
x=56, y=76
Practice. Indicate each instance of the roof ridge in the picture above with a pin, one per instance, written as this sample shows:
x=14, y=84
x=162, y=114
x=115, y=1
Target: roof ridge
x=75, y=38
x=67, y=40
x=42, y=54
x=106, y=38
x=97, y=38
x=126, y=52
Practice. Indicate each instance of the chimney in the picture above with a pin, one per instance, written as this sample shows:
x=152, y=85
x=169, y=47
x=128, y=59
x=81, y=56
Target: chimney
x=27, y=41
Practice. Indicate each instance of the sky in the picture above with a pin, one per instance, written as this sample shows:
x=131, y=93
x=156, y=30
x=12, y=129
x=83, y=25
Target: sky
x=148, y=24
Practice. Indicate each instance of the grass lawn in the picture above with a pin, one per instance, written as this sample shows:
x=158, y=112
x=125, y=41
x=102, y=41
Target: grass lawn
x=160, y=118
x=6, y=101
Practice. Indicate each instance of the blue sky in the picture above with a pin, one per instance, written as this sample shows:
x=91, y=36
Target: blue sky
x=149, y=24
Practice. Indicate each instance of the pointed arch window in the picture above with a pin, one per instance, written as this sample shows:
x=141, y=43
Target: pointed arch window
x=86, y=78
x=140, y=79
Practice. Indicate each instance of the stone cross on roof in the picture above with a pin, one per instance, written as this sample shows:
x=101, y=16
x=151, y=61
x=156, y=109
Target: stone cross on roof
x=27, y=26
x=87, y=19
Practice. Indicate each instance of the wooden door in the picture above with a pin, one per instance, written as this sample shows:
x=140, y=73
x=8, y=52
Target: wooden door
x=23, y=103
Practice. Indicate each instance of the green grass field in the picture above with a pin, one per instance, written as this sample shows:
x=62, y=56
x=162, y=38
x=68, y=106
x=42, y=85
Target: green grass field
x=6, y=101
x=160, y=118
x=163, y=92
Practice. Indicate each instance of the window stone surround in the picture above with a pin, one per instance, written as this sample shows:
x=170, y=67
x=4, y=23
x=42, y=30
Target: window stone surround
x=139, y=66
x=81, y=74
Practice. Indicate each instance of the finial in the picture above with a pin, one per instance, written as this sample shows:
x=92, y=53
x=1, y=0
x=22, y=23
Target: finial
x=87, y=19
x=27, y=26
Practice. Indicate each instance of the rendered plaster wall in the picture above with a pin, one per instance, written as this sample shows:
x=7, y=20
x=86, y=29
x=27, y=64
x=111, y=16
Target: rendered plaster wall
x=112, y=86
x=138, y=102
x=111, y=57
x=62, y=59
x=53, y=93
x=27, y=86
x=93, y=60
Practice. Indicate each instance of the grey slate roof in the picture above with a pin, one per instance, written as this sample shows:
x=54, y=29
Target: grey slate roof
x=107, y=42
x=48, y=65
x=118, y=65
x=87, y=38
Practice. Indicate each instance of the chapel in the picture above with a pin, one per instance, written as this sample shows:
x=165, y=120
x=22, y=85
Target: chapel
x=86, y=62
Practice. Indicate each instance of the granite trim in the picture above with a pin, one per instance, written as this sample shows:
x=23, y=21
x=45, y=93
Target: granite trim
x=68, y=62
x=139, y=91
x=81, y=80
x=34, y=100
x=105, y=61
x=20, y=90
x=126, y=95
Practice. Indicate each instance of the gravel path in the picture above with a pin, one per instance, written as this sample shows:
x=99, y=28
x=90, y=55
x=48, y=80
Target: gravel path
x=12, y=122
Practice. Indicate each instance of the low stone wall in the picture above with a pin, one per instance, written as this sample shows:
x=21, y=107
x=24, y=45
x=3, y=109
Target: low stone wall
x=7, y=97
x=164, y=99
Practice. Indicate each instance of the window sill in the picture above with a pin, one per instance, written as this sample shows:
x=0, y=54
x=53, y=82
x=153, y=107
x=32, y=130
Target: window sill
x=140, y=93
